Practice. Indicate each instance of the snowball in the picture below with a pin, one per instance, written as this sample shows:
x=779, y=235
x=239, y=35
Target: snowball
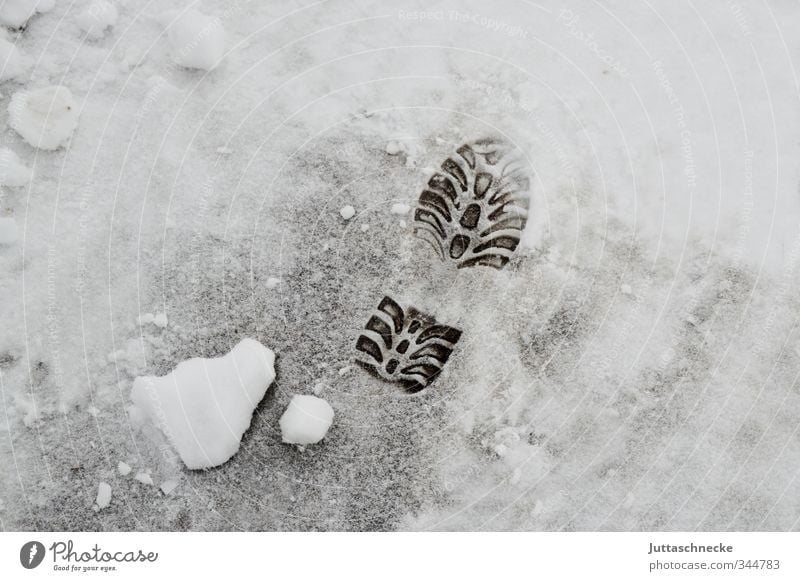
x=8, y=231
x=400, y=209
x=197, y=40
x=626, y=289
x=205, y=405
x=103, y=495
x=15, y=13
x=12, y=171
x=347, y=212
x=144, y=478
x=11, y=65
x=306, y=420
x=45, y=118
x=160, y=320
x=98, y=18
x=123, y=468
x=272, y=282
x=364, y=227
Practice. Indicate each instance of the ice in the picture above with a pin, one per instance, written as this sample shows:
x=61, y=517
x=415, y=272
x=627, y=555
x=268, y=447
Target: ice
x=205, y=405
x=197, y=40
x=8, y=231
x=123, y=468
x=97, y=19
x=400, y=209
x=103, y=495
x=45, y=118
x=11, y=63
x=15, y=13
x=306, y=420
x=347, y=212
x=12, y=171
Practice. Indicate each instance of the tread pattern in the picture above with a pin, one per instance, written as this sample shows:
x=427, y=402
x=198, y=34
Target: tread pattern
x=405, y=346
x=473, y=211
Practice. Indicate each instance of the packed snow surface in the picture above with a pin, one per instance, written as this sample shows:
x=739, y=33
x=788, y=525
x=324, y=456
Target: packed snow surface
x=11, y=63
x=45, y=117
x=306, y=420
x=197, y=41
x=12, y=171
x=8, y=230
x=98, y=18
x=204, y=406
x=16, y=13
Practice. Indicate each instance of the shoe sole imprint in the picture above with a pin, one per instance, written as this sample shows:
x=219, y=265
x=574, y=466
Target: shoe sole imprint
x=474, y=210
x=405, y=346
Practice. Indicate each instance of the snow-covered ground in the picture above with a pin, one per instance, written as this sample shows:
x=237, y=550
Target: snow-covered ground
x=177, y=177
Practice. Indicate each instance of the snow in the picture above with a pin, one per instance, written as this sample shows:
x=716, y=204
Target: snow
x=11, y=62
x=144, y=478
x=45, y=117
x=13, y=172
x=160, y=320
x=15, y=13
x=197, y=40
x=98, y=18
x=400, y=209
x=204, y=406
x=103, y=495
x=168, y=486
x=272, y=282
x=306, y=420
x=347, y=212
x=123, y=468
x=8, y=230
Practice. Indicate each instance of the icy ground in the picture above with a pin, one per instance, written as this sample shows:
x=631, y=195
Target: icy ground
x=634, y=367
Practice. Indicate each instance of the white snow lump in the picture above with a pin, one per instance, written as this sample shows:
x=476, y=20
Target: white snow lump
x=306, y=420
x=205, y=405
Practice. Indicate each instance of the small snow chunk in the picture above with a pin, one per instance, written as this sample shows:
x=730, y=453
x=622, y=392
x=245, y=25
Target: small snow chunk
x=197, y=40
x=224, y=150
x=400, y=209
x=15, y=13
x=146, y=319
x=97, y=19
x=347, y=212
x=344, y=370
x=160, y=320
x=93, y=411
x=318, y=388
x=168, y=486
x=626, y=289
x=403, y=224
x=272, y=282
x=103, y=495
x=8, y=231
x=12, y=171
x=394, y=148
x=205, y=405
x=144, y=478
x=364, y=227
x=11, y=65
x=123, y=468
x=306, y=420
x=45, y=118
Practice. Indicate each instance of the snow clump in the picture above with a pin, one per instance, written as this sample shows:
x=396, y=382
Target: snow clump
x=13, y=172
x=45, y=118
x=205, y=405
x=98, y=18
x=197, y=41
x=306, y=420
